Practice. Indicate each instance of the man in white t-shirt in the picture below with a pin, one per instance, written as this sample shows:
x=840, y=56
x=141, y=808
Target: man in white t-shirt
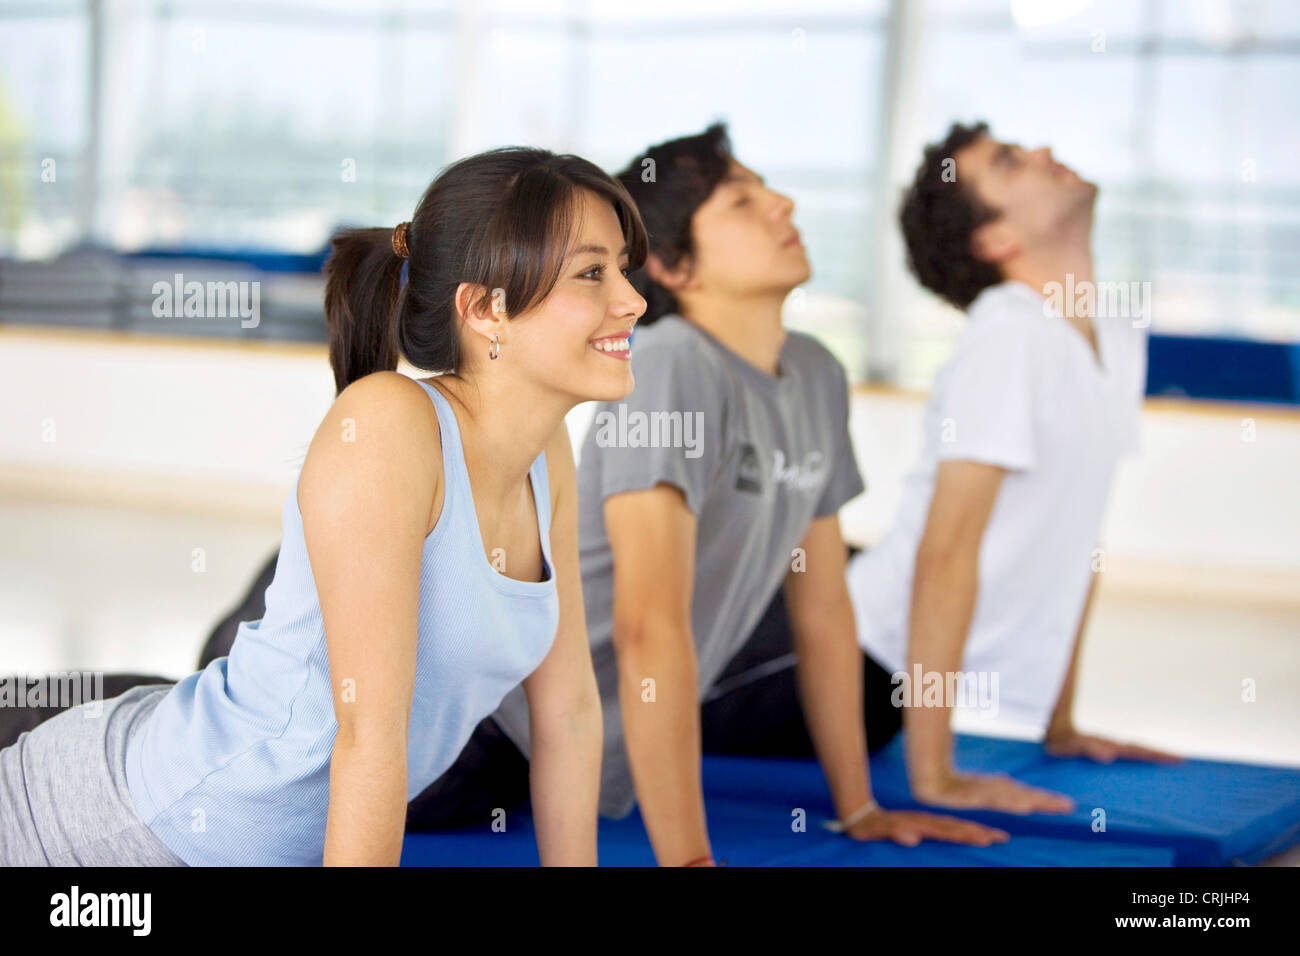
x=978, y=594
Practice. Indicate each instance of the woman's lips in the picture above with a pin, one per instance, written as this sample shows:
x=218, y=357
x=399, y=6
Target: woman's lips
x=615, y=346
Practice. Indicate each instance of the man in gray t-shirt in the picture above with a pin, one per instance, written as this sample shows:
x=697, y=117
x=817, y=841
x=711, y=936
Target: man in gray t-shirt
x=757, y=458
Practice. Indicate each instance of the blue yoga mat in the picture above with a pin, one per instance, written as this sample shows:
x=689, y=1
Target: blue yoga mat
x=1208, y=813
x=1198, y=812
x=747, y=833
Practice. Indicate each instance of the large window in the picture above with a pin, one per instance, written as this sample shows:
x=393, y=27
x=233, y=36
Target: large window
x=1187, y=114
x=45, y=133
x=211, y=125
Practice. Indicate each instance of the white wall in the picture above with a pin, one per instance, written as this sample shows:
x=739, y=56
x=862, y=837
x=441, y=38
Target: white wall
x=104, y=418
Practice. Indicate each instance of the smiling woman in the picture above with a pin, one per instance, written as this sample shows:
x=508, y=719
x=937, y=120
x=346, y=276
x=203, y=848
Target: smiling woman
x=388, y=635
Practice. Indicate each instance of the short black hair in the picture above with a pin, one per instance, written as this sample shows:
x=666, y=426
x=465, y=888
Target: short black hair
x=938, y=215
x=669, y=182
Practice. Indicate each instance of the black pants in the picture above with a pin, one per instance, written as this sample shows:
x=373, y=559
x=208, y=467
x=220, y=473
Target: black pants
x=752, y=710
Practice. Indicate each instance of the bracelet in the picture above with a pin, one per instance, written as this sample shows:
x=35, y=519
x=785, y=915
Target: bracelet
x=839, y=826
x=699, y=860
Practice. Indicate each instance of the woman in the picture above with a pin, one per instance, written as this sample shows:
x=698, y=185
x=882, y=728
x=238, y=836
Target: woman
x=429, y=561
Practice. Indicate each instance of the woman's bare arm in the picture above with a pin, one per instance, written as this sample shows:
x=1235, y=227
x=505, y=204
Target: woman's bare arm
x=367, y=494
x=563, y=702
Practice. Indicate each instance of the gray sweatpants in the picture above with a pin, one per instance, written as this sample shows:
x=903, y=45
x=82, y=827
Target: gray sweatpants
x=63, y=795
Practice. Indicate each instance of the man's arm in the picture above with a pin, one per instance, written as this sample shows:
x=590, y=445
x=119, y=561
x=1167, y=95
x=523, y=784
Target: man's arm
x=652, y=536
x=944, y=589
x=1064, y=740
x=564, y=714
x=829, y=664
x=1062, y=720
x=830, y=691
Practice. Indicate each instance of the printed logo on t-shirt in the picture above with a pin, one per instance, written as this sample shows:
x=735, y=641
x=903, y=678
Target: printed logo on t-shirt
x=806, y=476
x=749, y=475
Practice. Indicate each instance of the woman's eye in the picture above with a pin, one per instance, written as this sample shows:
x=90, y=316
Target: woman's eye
x=743, y=201
x=595, y=272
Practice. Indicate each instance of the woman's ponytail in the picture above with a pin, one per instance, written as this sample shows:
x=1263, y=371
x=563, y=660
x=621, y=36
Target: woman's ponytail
x=362, y=285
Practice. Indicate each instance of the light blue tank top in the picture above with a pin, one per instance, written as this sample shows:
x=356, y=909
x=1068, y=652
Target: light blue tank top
x=232, y=768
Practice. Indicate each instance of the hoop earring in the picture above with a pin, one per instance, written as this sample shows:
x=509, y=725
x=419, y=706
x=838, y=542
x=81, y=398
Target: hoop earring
x=494, y=348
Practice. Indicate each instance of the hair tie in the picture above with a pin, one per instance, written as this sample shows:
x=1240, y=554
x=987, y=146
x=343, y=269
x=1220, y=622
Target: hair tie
x=399, y=239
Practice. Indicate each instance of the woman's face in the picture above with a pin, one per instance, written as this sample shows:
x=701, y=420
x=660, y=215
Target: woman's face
x=576, y=340
x=745, y=241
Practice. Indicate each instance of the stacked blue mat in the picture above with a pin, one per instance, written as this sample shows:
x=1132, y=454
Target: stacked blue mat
x=1195, y=813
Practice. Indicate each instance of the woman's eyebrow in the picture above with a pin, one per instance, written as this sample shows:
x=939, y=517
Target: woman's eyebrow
x=597, y=249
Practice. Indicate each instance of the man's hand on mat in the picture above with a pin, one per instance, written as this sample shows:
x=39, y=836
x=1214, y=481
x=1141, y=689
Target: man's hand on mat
x=909, y=829
x=1071, y=743
x=979, y=791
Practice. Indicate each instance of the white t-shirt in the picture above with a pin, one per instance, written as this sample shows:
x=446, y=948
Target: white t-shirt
x=1022, y=390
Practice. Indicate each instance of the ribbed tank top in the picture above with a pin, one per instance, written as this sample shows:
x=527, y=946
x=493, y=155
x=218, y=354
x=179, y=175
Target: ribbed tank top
x=232, y=767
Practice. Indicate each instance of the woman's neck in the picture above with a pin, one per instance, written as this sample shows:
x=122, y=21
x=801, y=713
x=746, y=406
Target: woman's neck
x=504, y=426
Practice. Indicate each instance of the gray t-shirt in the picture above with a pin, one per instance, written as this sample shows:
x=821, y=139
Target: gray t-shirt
x=757, y=458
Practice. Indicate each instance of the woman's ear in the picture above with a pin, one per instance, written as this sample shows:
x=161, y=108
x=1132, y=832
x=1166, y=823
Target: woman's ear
x=482, y=309
x=673, y=279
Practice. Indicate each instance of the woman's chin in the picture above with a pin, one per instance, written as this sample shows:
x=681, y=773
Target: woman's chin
x=607, y=388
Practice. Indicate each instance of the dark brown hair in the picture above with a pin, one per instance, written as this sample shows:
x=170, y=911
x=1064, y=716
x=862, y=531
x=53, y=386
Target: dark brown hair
x=669, y=182
x=938, y=215
x=503, y=219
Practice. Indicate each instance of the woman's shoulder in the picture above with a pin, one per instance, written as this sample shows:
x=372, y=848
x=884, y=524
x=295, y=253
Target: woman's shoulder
x=380, y=434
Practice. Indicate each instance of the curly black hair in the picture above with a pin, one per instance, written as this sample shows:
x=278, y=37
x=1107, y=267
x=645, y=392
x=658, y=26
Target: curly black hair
x=938, y=215
x=669, y=182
